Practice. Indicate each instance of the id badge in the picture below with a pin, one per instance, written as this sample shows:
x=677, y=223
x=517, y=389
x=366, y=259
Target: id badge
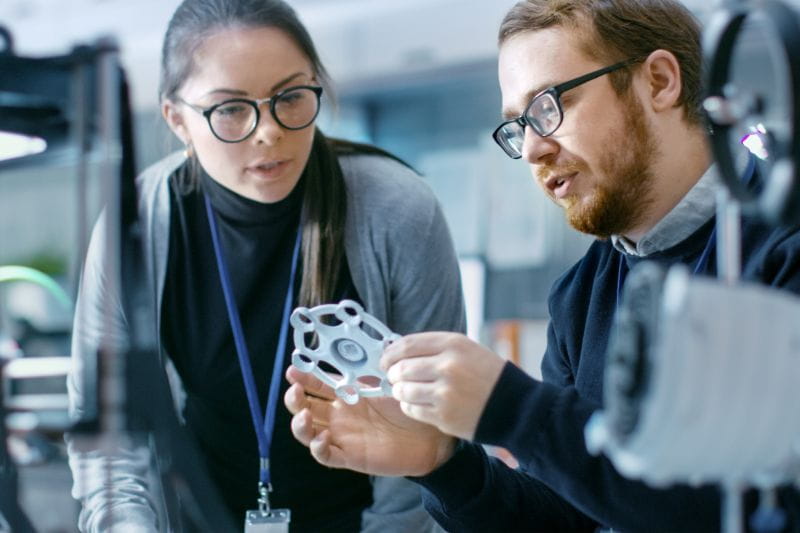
x=273, y=521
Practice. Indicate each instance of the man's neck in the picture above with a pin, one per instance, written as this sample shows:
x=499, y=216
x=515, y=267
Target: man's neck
x=675, y=172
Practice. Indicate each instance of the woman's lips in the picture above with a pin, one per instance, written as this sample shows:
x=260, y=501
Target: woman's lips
x=268, y=171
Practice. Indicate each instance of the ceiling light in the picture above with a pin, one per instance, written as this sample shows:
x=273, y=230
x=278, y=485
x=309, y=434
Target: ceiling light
x=13, y=145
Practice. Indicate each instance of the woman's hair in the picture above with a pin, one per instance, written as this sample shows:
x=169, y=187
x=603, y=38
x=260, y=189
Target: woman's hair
x=324, y=200
x=616, y=30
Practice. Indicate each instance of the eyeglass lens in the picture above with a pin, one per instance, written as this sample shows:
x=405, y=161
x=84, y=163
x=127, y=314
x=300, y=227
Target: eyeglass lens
x=543, y=115
x=293, y=109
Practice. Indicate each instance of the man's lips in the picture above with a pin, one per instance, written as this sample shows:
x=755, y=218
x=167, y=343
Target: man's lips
x=559, y=185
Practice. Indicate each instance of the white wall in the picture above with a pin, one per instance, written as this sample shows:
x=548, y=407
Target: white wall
x=357, y=38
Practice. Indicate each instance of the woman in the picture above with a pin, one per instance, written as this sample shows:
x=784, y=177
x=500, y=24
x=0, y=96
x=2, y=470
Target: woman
x=262, y=204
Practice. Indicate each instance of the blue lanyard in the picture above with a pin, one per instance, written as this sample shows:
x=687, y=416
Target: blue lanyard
x=264, y=432
x=702, y=263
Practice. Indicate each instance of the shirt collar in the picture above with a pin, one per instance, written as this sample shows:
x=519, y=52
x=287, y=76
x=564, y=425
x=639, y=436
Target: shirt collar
x=694, y=210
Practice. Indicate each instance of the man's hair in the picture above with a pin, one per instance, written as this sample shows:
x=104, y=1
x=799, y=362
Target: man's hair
x=615, y=30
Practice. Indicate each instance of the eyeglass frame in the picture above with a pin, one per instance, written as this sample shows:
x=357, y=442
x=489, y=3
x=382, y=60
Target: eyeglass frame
x=256, y=104
x=555, y=93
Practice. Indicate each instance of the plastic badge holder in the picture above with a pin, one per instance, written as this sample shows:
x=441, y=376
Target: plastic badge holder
x=348, y=339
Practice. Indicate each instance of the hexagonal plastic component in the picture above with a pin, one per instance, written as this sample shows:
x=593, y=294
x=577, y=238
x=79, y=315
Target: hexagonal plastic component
x=348, y=340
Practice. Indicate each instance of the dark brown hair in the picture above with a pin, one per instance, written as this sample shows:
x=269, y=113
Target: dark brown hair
x=324, y=200
x=615, y=30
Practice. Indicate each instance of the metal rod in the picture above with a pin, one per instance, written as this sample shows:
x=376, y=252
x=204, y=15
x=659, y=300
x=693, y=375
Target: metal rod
x=81, y=139
x=111, y=358
x=732, y=508
x=729, y=247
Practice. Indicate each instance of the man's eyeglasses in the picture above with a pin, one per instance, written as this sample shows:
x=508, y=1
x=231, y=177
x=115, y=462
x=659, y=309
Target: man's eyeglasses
x=234, y=120
x=544, y=114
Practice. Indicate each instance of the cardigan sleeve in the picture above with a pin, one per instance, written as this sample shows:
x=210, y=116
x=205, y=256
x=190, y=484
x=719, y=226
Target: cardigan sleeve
x=112, y=484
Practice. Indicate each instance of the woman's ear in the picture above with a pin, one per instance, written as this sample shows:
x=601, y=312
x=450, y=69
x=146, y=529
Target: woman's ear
x=662, y=74
x=174, y=119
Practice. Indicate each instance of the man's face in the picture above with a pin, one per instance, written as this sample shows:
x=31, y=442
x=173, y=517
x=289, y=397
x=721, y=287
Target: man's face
x=597, y=165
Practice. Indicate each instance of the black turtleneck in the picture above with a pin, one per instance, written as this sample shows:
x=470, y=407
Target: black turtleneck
x=258, y=240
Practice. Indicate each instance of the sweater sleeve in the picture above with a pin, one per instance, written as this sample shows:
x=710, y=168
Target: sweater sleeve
x=489, y=496
x=543, y=426
x=559, y=485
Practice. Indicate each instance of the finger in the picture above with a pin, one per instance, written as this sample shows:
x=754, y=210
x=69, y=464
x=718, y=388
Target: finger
x=323, y=450
x=414, y=393
x=321, y=411
x=415, y=369
x=302, y=427
x=312, y=385
x=421, y=413
x=416, y=345
x=295, y=398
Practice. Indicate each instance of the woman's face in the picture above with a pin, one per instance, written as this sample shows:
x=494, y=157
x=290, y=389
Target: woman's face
x=251, y=63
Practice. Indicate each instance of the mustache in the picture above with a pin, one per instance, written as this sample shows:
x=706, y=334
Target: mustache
x=548, y=169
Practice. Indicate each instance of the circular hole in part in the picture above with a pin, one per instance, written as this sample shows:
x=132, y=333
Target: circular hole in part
x=370, y=331
x=349, y=314
x=311, y=340
x=302, y=362
x=370, y=381
x=330, y=320
x=330, y=369
x=348, y=393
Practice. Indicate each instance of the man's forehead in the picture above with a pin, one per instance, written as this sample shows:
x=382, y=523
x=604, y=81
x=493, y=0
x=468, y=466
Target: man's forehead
x=530, y=62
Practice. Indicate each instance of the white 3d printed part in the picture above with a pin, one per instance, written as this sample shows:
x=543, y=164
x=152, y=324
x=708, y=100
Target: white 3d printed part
x=348, y=339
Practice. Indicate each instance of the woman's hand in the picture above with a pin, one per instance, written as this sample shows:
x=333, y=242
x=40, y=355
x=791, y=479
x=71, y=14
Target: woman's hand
x=373, y=436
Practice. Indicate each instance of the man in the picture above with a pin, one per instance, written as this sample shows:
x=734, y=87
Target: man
x=602, y=101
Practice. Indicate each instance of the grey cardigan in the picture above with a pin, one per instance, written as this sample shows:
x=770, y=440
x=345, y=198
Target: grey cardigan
x=404, y=268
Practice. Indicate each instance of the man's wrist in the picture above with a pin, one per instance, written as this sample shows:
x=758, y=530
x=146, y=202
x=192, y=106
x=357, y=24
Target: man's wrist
x=446, y=451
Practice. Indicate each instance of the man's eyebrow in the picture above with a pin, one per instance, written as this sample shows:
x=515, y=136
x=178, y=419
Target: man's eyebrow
x=508, y=114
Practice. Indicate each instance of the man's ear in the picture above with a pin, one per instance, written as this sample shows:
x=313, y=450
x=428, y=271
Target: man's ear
x=174, y=119
x=662, y=74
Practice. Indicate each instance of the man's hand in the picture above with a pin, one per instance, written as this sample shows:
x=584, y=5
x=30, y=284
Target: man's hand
x=372, y=436
x=443, y=379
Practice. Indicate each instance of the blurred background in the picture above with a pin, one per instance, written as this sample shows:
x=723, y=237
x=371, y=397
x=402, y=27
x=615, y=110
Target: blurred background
x=416, y=77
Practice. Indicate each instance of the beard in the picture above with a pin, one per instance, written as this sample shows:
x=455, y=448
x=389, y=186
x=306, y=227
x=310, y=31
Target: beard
x=623, y=193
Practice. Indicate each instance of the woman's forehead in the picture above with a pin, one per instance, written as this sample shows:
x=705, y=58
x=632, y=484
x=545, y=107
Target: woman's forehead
x=251, y=60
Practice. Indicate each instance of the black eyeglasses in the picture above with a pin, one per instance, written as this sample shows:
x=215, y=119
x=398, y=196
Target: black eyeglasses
x=234, y=120
x=544, y=114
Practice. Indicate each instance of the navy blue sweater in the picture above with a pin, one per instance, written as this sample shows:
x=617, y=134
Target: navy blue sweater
x=559, y=485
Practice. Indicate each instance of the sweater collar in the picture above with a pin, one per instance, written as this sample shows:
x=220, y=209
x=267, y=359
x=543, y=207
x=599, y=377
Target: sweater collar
x=238, y=209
